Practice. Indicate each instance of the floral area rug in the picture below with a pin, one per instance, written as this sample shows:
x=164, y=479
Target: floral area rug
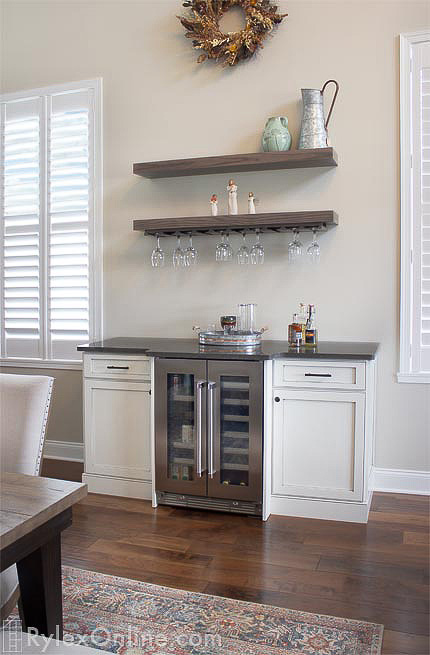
x=136, y=618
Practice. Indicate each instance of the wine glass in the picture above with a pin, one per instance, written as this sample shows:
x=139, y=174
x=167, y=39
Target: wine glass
x=257, y=250
x=178, y=254
x=243, y=252
x=191, y=255
x=224, y=251
x=314, y=250
x=295, y=248
x=219, y=251
x=228, y=250
x=157, y=256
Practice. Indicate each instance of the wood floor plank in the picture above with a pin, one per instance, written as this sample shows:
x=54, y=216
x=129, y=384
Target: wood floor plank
x=416, y=538
x=405, y=573
x=401, y=643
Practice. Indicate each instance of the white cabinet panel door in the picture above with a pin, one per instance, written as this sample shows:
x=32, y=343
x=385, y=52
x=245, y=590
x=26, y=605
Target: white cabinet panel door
x=118, y=429
x=318, y=444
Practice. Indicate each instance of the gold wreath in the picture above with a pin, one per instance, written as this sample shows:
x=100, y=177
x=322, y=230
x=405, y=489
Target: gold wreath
x=202, y=25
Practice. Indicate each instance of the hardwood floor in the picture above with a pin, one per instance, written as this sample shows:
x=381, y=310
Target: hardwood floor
x=376, y=572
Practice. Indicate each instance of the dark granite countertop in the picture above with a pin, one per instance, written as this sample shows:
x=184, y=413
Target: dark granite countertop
x=190, y=349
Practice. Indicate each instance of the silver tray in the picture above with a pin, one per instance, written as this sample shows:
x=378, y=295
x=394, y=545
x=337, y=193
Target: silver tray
x=236, y=339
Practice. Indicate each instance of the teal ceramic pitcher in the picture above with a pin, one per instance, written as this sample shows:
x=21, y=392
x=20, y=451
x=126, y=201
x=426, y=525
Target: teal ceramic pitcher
x=276, y=136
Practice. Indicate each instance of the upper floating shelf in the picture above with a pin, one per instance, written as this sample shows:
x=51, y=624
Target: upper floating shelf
x=268, y=222
x=256, y=161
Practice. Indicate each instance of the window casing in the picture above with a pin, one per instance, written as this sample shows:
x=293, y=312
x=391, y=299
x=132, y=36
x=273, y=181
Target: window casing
x=51, y=237
x=415, y=207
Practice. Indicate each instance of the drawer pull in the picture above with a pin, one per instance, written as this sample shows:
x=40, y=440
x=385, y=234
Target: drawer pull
x=277, y=399
x=122, y=368
x=317, y=375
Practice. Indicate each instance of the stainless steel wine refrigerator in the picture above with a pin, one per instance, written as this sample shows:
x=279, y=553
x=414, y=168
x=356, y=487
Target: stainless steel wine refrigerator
x=209, y=434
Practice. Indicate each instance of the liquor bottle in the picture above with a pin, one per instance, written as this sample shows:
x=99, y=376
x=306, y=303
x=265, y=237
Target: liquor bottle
x=302, y=319
x=311, y=332
x=295, y=334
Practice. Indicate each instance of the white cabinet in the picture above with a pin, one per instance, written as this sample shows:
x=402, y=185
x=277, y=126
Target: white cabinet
x=318, y=445
x=321, y=439
x=117, y=429
x=118, y=425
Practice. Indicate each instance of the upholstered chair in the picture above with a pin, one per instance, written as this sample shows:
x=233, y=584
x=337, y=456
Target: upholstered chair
x=24, y=411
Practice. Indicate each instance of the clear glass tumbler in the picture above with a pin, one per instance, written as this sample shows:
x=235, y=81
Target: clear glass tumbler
x=251, y=316
x=242, y=316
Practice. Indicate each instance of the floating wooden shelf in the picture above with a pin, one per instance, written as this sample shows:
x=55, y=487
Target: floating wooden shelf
x=276, y=222
x=256, y=161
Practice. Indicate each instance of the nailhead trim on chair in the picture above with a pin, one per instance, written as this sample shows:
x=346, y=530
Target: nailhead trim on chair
x=44, y=424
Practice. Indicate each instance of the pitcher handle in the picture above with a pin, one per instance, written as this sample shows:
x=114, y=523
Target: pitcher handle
x=334, y=98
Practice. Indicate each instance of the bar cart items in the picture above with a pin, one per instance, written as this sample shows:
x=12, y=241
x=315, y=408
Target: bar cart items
x=302, y=331
x=228, y=323
x=251, y=203
x=313, y=133
x=237, y=332
x=276, y=135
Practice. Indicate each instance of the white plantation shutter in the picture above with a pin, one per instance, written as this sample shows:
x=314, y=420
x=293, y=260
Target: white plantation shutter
x=21, y=306
x=423, y=219
x=415, y=142
x=50, y=201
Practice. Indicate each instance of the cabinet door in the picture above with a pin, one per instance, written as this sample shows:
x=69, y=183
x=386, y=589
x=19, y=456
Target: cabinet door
x=235, y=430
x=318, y=444
x=180, y=426
x=118, y=429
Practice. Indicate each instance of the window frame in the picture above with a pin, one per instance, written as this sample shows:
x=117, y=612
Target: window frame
x=406, y=372
x=95, y=264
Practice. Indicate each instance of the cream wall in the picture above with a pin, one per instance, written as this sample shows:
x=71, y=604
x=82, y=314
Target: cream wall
x=159, y=104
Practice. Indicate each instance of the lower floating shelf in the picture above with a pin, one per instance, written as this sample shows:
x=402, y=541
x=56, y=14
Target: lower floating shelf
x=268, y=222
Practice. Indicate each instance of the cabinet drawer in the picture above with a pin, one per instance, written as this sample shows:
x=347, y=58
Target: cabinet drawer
x=330, y=375
x=110, y=367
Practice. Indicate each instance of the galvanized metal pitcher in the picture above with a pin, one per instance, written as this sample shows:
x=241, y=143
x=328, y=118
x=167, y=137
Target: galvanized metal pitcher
x=313, y=133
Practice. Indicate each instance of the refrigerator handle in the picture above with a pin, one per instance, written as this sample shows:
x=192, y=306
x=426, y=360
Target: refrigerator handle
x=199, y=467
x=211, y=421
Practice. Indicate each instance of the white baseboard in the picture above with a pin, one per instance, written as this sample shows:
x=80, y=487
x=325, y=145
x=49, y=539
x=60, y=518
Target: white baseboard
x=103, y=484
x=328, y=510
x=401, y=481
x=69, y=451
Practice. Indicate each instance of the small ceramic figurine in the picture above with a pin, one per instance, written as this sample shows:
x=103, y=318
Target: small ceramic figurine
x=251, y=203
x=232, y=197
x=214, y=205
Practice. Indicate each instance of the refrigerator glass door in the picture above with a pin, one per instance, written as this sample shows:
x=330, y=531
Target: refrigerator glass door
x=235, y=430
x=180, y=426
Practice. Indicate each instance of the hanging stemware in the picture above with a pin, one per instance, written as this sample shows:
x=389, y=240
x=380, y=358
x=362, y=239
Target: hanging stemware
x=191, y=254
x=157, y=255
x=257, y=250
x=243, y=252
x=219, y=251
x=228, y=250
x=314, y=250
x=295, y=248
x=178, y=254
